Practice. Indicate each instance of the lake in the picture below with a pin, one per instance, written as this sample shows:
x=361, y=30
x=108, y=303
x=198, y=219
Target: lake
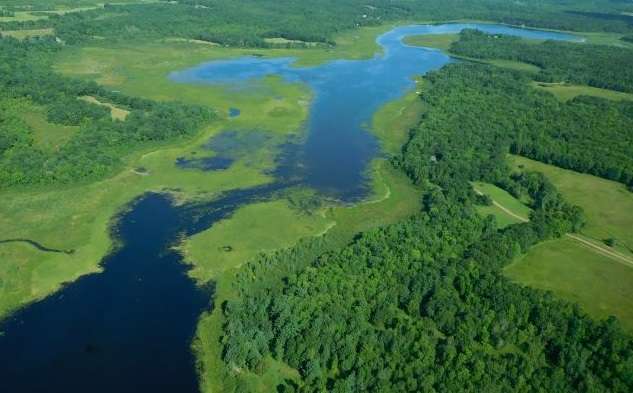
x=129, y=328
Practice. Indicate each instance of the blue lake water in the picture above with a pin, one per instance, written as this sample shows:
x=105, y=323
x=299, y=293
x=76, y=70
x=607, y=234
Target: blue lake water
x=334, y=157
x=129, y=328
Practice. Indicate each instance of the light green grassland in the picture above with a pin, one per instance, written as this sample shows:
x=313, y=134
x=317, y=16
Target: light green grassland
x=600, y=285
x=598, y=38
x=393, y=121
x=47, y=136
x=255, y=228
x=608, y=205
x=565, y=92
x=22, y=16
x=516, y=207
x=437, y=41
x=24, y=34
x=572, y=270
x=116, y=112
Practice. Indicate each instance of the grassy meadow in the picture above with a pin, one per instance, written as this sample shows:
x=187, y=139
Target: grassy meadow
x=565, y=92
x=436, y=41
x=607, y=204
x=573, y=270
x=601, y=286
x=24, y=34
x=511, y=211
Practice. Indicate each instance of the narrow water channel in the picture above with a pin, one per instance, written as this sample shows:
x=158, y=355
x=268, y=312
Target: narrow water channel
x=129, y=328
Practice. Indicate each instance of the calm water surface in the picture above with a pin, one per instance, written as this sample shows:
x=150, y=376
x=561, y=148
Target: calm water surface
x=129, y=328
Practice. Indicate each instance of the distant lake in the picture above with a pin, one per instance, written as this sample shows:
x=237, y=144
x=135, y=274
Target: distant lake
x=129, y=328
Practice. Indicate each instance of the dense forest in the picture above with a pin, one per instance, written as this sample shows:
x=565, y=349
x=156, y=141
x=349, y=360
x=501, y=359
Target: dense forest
x=97, y=148
x=600, y=66
x=422, y=305
x=478, y=108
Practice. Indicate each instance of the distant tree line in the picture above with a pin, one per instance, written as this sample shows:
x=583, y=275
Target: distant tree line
x=602, y=66
x=247, y=23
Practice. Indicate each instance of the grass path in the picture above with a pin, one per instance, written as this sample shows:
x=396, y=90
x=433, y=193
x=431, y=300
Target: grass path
x=579, y=238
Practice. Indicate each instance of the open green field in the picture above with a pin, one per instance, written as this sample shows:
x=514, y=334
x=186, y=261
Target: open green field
x=260, y=227
x=21, y=16
x=392, y=122
x=24, y=34
x=573, y=269
x=437, y=41
x=116, y=112
x=507, y=210
x=603, y=38
x=574, y=272
x=607, y=204
x=565, y=92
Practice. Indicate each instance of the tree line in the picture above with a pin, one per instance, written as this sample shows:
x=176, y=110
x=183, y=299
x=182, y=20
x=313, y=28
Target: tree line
x=601, y=66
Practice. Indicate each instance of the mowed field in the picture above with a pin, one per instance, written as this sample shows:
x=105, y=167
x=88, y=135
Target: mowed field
x=572, y=269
